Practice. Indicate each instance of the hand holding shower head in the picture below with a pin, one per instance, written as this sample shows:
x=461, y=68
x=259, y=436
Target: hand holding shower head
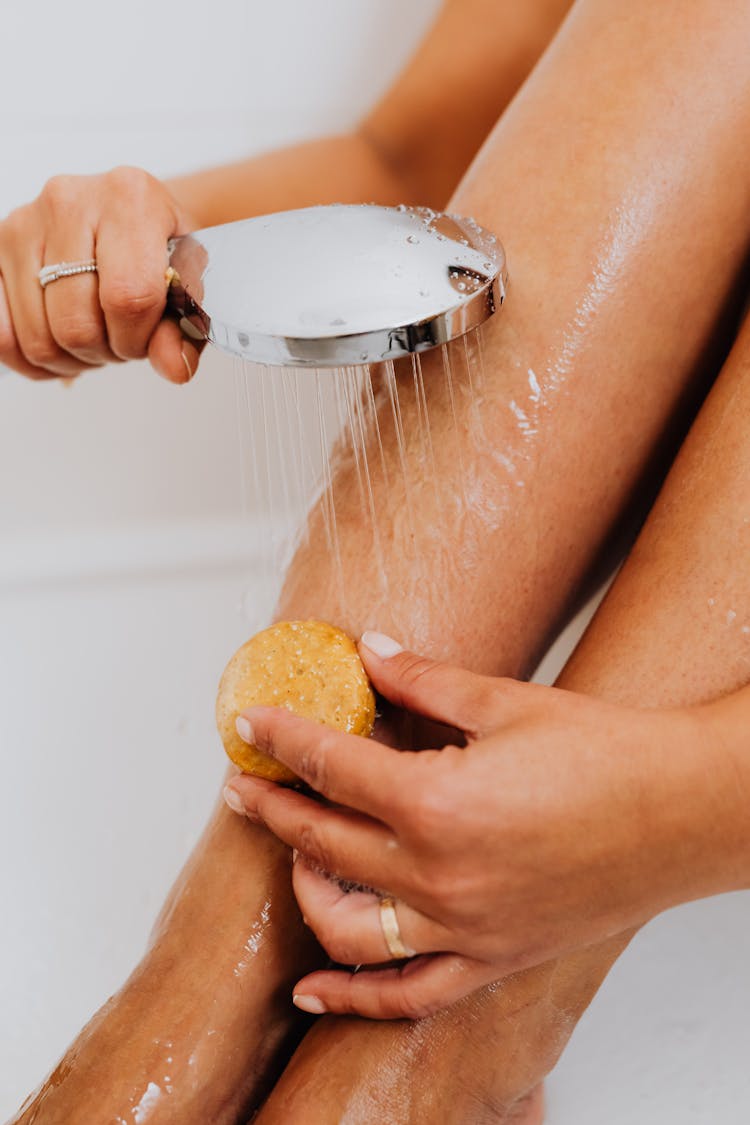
x=336, y=286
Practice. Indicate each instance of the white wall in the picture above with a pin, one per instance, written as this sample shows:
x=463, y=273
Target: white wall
x=125, y=555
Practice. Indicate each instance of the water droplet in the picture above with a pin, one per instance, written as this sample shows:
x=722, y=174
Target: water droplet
x=462, y=285
x=413, y=239
x=487, y=265
x=402, y=207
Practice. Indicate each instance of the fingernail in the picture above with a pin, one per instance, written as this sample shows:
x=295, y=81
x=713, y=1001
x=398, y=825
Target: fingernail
x=244, y=729
x=383, y=646
x=186, y=361
x=309, y=1004
x=295, y=853
x=233, y=799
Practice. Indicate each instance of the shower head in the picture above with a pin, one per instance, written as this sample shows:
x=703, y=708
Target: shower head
x=336, y=286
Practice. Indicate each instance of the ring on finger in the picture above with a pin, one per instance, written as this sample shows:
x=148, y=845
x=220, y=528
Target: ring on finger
x=48, y=274
x=398, y=950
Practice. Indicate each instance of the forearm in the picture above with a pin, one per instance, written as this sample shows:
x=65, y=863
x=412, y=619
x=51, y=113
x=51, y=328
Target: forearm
x=344, y=169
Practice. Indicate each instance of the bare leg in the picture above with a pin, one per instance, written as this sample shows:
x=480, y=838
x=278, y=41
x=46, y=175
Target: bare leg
x=593, y=243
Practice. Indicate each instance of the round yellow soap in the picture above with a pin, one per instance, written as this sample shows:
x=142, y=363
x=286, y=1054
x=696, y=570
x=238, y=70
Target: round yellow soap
x=311, y=668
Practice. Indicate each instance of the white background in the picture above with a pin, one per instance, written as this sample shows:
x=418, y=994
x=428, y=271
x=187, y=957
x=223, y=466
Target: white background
x=125, y=554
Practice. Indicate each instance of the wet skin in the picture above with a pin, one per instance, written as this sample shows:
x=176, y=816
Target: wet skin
x=599, y=230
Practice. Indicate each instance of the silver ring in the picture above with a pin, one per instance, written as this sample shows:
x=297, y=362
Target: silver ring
x=64, y=269
x=392, y=930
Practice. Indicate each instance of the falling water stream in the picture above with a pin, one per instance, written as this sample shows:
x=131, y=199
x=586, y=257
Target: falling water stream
x=319, y=448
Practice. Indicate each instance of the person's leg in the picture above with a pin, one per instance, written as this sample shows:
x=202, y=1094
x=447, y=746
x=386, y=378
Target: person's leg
x=674, y=629
x=623, y=245
x=479, y=1058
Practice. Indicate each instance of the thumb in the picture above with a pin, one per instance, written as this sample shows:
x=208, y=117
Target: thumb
x=438, y=691
x=172, y=355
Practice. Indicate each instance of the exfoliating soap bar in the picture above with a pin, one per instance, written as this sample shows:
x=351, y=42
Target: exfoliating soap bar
x=311, y=668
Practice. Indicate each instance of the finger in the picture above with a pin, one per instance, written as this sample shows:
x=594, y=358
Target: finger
x=26, y=302
x=74, y=315
x=132, y=259
x=348, y=769
x=412, y=991
x=449, y=695
x=10, y=353
x=132, y=288
x=173, y=356
x=346, y=844
x=348, y=925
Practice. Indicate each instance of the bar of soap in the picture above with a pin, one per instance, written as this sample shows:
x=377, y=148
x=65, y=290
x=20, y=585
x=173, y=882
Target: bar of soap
x=311, y=668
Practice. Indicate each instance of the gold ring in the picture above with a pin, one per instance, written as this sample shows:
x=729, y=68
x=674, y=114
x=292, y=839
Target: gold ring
x=391, y=930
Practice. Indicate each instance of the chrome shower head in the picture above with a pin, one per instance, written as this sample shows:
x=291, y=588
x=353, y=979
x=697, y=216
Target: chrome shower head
x=335, y=286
